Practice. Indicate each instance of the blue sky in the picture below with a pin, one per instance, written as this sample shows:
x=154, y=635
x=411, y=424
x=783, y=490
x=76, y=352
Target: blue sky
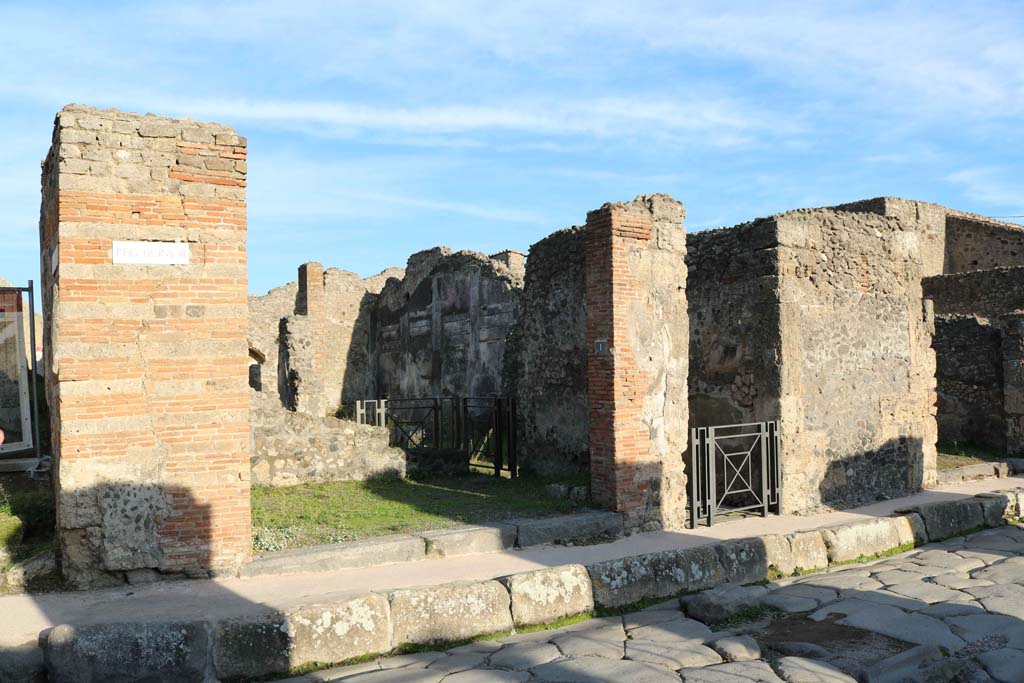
x=378, y=129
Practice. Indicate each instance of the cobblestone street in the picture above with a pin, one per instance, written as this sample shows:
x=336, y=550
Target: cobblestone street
x=949, y=611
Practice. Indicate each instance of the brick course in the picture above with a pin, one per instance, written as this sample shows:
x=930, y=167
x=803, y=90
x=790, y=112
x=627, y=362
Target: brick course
x=636, y=306
x=146, y=364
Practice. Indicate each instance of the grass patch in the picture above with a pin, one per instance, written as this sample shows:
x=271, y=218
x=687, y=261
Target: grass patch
x=333, y=512
x=952, y=455
x=26, y=524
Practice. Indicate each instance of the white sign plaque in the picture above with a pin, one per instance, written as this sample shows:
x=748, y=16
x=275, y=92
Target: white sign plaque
x=151, y=253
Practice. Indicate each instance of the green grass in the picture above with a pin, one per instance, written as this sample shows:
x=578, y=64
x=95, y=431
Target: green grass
x=26, y=524
x=951, y=455
x=313, y=514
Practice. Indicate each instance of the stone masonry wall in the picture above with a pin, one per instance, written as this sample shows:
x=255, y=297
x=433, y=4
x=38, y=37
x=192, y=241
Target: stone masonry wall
x=146, y=364
x=637, y=341
x=732, y=292
x=988, y=293
x=968, y=352
x=546, y=358
x=858, y=371
x=292, y=448
x=441, y=330
x=977, y=243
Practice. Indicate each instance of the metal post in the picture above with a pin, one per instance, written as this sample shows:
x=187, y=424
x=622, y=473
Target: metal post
x=382, y=412
x=712, y=478
x=496, y=436
x=513, y=454
x=693, y=479
x=437, y=423
x=763, y=438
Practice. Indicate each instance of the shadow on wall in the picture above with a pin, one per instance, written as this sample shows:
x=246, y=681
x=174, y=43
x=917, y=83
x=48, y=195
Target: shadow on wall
x=147, y=536
x=892, y=470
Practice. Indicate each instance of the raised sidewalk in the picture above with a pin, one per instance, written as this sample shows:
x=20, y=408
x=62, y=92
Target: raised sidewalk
x=25, y=616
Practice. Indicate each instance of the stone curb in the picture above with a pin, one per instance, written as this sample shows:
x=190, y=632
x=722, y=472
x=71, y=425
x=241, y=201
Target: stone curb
x=463, y=540
x=988, y=470
x=376, y=623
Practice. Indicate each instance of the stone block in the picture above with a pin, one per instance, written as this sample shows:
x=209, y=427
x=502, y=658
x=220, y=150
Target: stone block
x=778, y=553
x=910, y=528
x=742, y=561
x=251, y=646
x=157, y=129
x=950, y=517
x=850, y=541
x=99, y=653
x=467, y=540
x=922, y=663
x=1015, y=465
x=342, y=630
x=995, y=507
x=547, y=595
x=450, y=612
x=808, y=550
x=22, y=664
x=568, y=528
x=368, y=553
x=619, y=583
x=723, y=602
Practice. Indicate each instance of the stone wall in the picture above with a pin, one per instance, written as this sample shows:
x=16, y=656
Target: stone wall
x=637, y=342
x=441, y=330
x=546, y=358
x=146, y=364
x=732, y=291
x=988, y=293
x=978, y=243
x=858, y=371
x=292, y=448
x=279, y=337
x=968, y=351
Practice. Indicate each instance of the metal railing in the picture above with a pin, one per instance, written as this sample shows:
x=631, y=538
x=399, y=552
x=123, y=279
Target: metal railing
x=12, y=310
x=482, y=427
x=733, y=469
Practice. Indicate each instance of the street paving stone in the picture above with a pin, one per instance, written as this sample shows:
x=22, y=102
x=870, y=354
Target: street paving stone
x=965, y=595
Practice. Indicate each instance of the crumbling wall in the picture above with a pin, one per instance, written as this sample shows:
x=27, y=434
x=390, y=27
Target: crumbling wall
x=968, y=352
x=292, y=448
x=858, y=370
x=978, y=243
x=987, y=293
x=283, y=340
x=546, y=358
x=732, y=292
x=441, y=330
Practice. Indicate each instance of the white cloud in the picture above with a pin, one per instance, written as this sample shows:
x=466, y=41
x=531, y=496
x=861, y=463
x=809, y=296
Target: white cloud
x=989, y=185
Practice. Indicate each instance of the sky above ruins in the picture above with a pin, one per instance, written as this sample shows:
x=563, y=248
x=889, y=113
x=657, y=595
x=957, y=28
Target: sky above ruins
x=378, y=129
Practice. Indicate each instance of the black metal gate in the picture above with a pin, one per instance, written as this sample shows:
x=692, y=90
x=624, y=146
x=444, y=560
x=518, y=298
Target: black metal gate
x=482, y=428
x=733, y=469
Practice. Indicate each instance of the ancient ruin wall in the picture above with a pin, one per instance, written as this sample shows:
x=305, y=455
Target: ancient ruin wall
x=546, y=358
x=146, y=364
x=732, y=291
x=441, y=330
x=637, y=351
x=968, y=352
x=976, y=243
x=929, y=221
x=987, y=293
x=858, y=371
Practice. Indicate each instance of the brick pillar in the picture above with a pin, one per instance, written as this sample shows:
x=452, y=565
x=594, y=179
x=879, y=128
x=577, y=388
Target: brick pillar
x=142, y=230
x=1013, y=382
x=637, y=341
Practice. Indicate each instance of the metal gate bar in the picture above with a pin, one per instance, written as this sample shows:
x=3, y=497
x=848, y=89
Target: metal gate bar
x=733, y=469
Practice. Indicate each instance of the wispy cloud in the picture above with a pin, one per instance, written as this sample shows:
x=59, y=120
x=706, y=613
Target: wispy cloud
x=990, y=185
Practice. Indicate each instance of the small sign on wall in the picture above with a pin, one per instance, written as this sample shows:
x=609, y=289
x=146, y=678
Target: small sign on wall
x=151, y=253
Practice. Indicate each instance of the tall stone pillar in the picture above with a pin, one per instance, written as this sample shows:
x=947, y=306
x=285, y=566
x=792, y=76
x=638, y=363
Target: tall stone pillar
x=638, y=359
x=1013, y=382
x=142, y=231
x=305, y=345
